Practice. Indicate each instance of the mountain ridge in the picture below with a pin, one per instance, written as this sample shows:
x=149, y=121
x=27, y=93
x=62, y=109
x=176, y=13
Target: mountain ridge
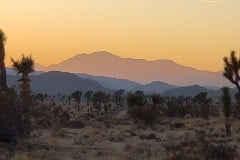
x=138, y=70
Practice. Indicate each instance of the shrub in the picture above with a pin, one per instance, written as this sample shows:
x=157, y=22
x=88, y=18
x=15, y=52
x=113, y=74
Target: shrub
x=221, y=151
x=10, y=115
x=148, y=137
x=146, y=113
x=138, y=107
x=77, y=124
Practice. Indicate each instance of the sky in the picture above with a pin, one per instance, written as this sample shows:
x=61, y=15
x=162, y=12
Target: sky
x=196, y=33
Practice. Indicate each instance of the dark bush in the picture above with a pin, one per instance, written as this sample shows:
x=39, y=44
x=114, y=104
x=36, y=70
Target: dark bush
x=177, y=125
x=221, y=151
x=10, y=113
x=8, y=136
x=146, y=113
x=138, y=107
x=148, y=137
x=77, y=124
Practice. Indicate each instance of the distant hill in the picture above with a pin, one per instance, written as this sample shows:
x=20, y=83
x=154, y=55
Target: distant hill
x=111, y=83
x=138, y=70
x=58, y=82
x=11, y=71
x=190, y=91
x=154, y=87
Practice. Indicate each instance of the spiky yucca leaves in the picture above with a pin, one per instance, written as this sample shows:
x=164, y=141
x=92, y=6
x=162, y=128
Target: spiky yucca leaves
x=3, y=79
x=24, y=66
x=226, y=100
x=231, y=69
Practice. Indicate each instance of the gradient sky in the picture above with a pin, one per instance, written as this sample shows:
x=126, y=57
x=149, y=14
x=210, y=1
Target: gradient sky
x=195, y=33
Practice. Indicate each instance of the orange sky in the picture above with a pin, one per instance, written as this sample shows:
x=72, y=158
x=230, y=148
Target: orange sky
x=195, y=33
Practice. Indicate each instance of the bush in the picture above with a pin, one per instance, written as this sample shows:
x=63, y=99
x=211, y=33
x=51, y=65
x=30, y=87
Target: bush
x=10, y=114
x=221, y=151
x=146, y=113
x=77, y=124
x=138, y=107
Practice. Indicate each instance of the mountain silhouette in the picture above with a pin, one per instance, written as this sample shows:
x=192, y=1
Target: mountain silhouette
x=138, y=70
x=154, y=87
x=191, y=91
x=111, y=83
x=55, y=82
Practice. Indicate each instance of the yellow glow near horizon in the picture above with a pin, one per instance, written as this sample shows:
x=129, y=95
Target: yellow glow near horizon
x=196, y=33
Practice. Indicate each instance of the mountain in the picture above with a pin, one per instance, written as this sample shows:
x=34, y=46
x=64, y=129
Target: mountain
x=111, y=83
x=55, y=82
x=138, y=70
x=155, y=87
x=39, y=67
x=190, y=91
x=11, y=71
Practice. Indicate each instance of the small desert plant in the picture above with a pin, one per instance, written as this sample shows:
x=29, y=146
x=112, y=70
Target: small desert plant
x=20, y=157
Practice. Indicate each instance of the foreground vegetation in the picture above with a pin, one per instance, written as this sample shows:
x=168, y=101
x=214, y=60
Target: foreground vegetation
x=119, y=125
x=143, y=127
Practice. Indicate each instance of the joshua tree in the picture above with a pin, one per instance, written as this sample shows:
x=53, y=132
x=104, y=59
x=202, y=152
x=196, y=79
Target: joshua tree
x=118, y=97
x=106, y=100
x=3, y=82
x=226, y=100
x=136, y=99
x=157, y=99
x=231, y=69
x=98, y=99
x=25, y=66
x=203, y=101
x=88, y=96
x=77, y=95
x=231, y=72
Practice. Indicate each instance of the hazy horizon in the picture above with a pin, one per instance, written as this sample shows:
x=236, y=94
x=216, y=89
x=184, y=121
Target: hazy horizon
x=114, y=55
x=195, y=33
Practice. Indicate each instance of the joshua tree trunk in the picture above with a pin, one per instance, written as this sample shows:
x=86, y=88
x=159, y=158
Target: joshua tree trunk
x=3, y=79
x=78, y=104
x=228, y=127
x=25, y=102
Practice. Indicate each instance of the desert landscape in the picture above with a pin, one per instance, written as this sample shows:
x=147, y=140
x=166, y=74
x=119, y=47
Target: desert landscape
x=119, y=80
x=61, y=131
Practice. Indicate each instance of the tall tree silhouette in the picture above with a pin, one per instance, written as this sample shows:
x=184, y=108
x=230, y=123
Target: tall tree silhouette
x=231, y=69
x=77, y=95
x=88, y=96
x=25, y=66
x=118, y=97
x=3, y=81
x=231, y=72
x=226, y=100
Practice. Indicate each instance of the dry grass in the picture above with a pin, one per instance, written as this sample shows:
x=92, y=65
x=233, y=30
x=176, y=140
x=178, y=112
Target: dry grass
x=115, y=138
